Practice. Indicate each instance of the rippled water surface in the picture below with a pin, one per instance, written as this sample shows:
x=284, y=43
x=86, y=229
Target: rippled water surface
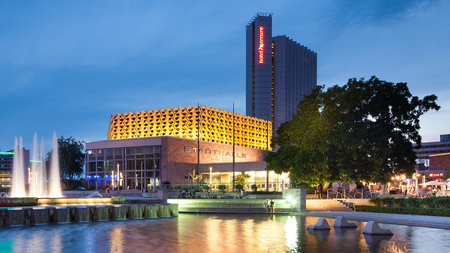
x=218, y=233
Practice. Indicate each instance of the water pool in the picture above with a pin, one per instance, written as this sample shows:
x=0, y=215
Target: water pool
x=218, y=233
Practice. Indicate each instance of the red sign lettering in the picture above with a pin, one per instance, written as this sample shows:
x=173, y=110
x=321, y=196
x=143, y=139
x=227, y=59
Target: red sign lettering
x=261, y=45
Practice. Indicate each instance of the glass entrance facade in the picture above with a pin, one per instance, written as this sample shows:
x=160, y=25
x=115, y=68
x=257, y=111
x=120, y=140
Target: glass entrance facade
x=277, y=182
x=123, y=168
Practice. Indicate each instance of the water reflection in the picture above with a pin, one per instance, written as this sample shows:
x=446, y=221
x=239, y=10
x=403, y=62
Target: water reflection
x=218, y=233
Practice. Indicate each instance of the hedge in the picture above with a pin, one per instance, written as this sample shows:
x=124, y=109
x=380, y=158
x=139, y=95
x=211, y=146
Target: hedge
x=405, y=210
x=429, y=202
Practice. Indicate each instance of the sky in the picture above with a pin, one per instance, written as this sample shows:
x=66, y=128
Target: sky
x=66, y=66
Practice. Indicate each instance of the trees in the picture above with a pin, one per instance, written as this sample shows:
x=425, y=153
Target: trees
x=241, y=180
x=447, y=174
x=362, y=131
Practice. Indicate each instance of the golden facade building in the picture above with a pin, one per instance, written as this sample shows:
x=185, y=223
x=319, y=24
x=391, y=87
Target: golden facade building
x=145, y=149
x=214, y=125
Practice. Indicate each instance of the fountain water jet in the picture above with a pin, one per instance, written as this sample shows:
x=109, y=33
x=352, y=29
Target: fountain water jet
x=36, y=180
x=18, y=175
x=39, y=185
x=54, y=182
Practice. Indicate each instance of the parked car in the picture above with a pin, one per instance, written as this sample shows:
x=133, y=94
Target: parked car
x=81, y=189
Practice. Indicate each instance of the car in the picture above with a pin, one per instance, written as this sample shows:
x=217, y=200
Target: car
x=81, y=189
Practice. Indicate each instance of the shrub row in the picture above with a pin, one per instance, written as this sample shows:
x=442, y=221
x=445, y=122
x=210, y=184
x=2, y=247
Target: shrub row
x=430, y=202
x=405, y=210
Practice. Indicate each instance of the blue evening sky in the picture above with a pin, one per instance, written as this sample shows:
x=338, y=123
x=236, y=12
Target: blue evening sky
x=66, y=66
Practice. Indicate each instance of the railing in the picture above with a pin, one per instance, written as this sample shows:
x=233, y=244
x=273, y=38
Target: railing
x=344, y=194
x=215, y=187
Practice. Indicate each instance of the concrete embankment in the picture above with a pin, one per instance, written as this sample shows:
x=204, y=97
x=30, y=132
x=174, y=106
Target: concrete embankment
x=293, y=200
x=230, y=205
x=398, y=219
x=70, y=214
x=255, y=205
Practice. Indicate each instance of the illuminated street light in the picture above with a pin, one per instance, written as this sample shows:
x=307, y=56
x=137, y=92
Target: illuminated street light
x=210, y=178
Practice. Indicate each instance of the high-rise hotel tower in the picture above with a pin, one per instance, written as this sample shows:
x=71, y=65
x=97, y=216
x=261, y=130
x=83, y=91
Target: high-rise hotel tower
x=279, y=72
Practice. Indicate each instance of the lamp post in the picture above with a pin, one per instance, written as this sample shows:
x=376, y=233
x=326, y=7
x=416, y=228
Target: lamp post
x=118, y=178
x=210, y=178
x=142, y=176
x=154, y=175
x=112, y=180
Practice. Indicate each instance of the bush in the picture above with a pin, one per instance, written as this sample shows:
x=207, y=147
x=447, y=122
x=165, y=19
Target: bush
x=118, y=200
x=440, y=202
x=376, y=201
x=254, y=187
x=426, y=202
x=387, y=201
x=399, y=202
x=222, y=187
x=239, y=187
x=72, y=184
x=430, y=202
x=412, y=202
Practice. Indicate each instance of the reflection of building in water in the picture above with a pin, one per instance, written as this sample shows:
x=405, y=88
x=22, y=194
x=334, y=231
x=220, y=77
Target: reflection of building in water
x=117, y=240
x=145, y=149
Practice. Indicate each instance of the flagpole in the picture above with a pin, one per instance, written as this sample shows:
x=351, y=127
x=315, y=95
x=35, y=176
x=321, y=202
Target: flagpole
x=233, y=152
x=198, y=140
x=267, y=175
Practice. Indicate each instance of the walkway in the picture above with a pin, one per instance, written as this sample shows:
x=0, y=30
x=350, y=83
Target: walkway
x=399, y=219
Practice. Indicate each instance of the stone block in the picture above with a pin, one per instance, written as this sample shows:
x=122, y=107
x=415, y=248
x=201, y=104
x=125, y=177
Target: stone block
x=173, y=210
x=102, y=213
x=16, y=217
x=74, y=216
x=134, y=212
x=93, y=213
x=154, y=211
x=28, y=216
x=372, y=228
x=52, y=215
x=341, y=222
x=321, y=224
x=120, y=212
x=63, y=215
x=83, y=213
x=5, y=219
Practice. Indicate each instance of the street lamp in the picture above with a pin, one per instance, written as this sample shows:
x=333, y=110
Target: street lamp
x=210, y=178
x=142, y=176
x=154, y=175
x=118, y=178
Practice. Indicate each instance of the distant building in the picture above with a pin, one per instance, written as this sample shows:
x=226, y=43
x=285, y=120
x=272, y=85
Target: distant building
x=6, y=166
x=279, y=72
x=432, y=148
x=439, y=165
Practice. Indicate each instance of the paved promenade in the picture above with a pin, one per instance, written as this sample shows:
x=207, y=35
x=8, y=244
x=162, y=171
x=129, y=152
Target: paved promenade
x=399, y=219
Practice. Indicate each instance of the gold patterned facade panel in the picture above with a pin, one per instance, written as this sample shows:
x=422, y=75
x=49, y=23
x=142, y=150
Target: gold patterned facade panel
x=214, y=125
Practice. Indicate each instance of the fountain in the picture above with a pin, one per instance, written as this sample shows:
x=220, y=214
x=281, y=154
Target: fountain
x=40, y=185
x=54, y=182
x=33, y=186
x=18, y=173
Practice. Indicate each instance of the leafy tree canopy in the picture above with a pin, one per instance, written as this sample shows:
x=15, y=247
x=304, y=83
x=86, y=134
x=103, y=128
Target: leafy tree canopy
x=242, y=178
x=362, y=131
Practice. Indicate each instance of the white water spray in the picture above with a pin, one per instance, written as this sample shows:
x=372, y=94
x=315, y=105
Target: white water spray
x=18, y=175
x=39, y=184
x=55, y=181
